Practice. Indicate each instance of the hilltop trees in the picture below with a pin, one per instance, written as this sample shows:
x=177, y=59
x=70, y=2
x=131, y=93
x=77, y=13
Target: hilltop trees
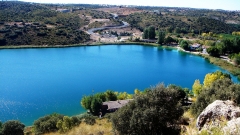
x=149, y=114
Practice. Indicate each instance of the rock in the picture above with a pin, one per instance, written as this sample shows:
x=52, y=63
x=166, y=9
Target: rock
x=216, y=113
x=232, y=127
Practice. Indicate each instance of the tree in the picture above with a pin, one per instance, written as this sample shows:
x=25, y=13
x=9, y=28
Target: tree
x=229, y=44
x=161, y=37
x=111, y=96
x=2, y=41
x=96, y=105
x=197, y=87
x=137, y=92
x=145, y=33
x=92, y=103
x=184, y=44
x=13, y=127
x=149, y=113
x=236, y=45
x=221, y=89
x=213, y=51
x=177, y=30
x=236, y=59
x=169, y=40
x=221, y=48
x=211, y=77
x=151, y=33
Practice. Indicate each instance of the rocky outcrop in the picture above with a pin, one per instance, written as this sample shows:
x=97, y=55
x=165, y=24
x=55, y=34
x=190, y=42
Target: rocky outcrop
x=232, y=127
x=218, y=112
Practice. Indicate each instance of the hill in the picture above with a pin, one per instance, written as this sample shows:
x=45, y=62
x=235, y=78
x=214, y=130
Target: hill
x=35, y=24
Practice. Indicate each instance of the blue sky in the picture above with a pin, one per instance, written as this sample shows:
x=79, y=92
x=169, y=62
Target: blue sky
x=209, y=4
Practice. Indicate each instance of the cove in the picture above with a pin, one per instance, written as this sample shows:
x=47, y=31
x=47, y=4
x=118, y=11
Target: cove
x=37, y=82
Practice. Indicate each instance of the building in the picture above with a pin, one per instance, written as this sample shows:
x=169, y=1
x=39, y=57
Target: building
x=63, y=10
x=195, y=46
x=112, y=106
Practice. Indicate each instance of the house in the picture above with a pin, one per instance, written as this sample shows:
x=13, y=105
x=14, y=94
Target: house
x=195, y=46
x=112, y=106
x=63, y=10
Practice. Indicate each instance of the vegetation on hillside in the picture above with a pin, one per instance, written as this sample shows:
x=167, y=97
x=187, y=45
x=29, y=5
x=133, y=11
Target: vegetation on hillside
x=177, y=23
x=33, y=24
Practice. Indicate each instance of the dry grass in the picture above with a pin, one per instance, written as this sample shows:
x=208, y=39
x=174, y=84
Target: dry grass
x=191, y=129
x=101, y=127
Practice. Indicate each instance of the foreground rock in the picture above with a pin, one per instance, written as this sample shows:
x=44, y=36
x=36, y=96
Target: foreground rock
x=216, y=113
x=232, y=127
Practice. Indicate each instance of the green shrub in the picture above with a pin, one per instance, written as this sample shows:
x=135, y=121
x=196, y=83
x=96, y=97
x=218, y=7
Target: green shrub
x=221, y=89
x=47, y=123
x=65, y=125
x=13, y=127
x=153, y=113
x=0, y=128
x=76, y=120
x=89, y=119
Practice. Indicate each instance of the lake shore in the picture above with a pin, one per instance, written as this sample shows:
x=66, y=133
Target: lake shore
x=75, y=45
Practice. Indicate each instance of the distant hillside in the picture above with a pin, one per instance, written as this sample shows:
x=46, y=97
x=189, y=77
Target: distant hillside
x=35, y=24
x=185, y=20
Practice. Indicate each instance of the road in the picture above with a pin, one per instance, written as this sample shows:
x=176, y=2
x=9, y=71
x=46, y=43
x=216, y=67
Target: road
x=125, y=24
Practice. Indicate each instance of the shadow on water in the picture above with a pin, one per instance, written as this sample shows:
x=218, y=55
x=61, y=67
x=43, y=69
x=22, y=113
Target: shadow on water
x=159, y=48
x=183, y=53
x=168, y=49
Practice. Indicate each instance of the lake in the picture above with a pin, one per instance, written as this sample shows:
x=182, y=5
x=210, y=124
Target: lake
x=37, y=82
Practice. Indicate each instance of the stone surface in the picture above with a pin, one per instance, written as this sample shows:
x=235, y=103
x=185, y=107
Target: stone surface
x=232, y=127
x=217, y=112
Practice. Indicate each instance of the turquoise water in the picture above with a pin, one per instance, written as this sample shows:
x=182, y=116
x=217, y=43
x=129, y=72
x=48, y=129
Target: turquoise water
x=37, y=82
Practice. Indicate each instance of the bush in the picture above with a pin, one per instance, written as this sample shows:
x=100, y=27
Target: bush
x=0, y=128
x=156, y=112
x=184, y=45
x=2, y=41
x=47, y=123
x=65, y=125
x=76, y=120
x=221, y=89
x=13, y=127
x=213, y=51
x=89, y=119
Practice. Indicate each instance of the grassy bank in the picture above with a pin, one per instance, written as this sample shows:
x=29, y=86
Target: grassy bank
x=101, y=127
x=235, y=70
